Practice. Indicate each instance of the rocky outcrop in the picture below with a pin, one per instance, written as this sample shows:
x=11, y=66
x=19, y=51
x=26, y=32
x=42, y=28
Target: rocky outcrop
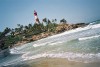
x=60, y=28
x=42, y=35
x=63, y=27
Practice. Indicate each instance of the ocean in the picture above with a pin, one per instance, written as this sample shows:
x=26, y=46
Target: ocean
x=80, y=47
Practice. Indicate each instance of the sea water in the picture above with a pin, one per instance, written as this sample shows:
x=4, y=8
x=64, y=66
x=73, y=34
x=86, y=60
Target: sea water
x=78, y=45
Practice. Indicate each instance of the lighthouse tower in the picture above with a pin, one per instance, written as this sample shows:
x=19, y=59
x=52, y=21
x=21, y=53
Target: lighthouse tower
x=36, y=18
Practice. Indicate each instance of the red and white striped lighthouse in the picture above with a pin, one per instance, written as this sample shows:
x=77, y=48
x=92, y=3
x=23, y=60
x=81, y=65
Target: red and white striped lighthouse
x=36, y=18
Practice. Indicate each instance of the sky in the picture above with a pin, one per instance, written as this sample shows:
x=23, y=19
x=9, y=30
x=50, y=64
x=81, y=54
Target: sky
x=13, y=12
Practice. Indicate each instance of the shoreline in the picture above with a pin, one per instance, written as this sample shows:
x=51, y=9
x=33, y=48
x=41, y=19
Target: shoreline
x=54, y=62
x=60, y=62
x=59, y=29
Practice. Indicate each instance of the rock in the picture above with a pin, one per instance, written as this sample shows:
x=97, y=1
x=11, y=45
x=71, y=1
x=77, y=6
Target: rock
x=59, y=29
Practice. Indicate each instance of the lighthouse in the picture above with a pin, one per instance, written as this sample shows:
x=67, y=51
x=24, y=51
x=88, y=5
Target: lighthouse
x=36, y=18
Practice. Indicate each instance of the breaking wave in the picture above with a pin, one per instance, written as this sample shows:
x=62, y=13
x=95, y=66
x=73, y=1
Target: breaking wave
x=80, y=45
x=78, y=57
x=47, y=43
x=65, y=33
x=91, y=37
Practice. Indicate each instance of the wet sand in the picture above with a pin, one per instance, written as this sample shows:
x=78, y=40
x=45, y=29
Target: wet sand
x=53, y=62
x=58, y=62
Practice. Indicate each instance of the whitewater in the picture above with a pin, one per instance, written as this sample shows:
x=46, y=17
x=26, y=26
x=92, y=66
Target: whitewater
x=79, y=45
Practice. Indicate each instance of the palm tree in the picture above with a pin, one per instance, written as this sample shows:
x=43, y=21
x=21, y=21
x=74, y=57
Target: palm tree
x=12, y=32
x=20, y=28
x=45, y=20
x=30, y=26
x=26, y=29
x=16, y=30
x=48, y=21
x=2, y=38
x=18, y=25
x=54, y=20
x=63, y=21
x=7, y=30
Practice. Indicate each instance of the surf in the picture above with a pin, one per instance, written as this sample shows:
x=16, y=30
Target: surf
x=74, y=45
x=87, y=38
x=42, y=42
x=77, y=57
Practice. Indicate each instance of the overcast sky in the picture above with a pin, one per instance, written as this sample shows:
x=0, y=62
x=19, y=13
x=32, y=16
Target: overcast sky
x=13, y=12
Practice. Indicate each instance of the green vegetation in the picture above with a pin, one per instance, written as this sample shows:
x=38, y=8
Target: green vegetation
x=9, y=37
x=3, y=38
x=31, y=32
x=63, y=21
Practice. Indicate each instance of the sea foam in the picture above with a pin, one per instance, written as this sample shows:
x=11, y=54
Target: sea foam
x=65, y=33
x=77, y=30
x=78, y=57
x=91, y=37
x=47, y=43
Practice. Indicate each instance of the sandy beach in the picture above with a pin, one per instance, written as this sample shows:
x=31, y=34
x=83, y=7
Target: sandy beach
x=58, y=62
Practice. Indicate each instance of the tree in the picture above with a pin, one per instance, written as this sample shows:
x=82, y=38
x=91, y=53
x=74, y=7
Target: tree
x=30, y=26
x=12, y=32
x=48, y=21
x=54, y=20
x=20, y=28
x=3, y=38
x=26, y=27
x=63, y=21
x=6, y=31
x=18, y=25
x=45, y=20
x=16, y=30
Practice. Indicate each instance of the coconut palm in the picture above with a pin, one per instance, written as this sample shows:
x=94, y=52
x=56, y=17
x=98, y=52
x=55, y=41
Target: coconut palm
x=45, y=20
x=12, y=32
x=63, y=21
